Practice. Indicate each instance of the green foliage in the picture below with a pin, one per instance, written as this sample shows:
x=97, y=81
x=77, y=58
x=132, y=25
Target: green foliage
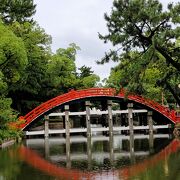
x=145, y=28
x=17, y=10
x=13, y=57
x=3, y=85
x=61, y=71
x=89, y=81
x=6, y=113
x=37, y=45
x=46, y=75
x=135, y=78
x=13, y=60
x=149, y=80
x=61, y=74
x=8, y=134
x=70, y=52
x=85, y=71
x=86, y=78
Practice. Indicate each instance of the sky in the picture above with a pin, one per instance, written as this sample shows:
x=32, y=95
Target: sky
x=78, y=21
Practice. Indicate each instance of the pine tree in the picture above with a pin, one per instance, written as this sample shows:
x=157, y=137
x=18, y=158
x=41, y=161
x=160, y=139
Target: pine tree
x=17, y=10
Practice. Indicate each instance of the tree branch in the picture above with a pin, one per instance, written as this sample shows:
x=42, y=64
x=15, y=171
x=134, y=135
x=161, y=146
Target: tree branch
x=144, y=22
x=173, y=92
x=149, y=27
x=168, y=57
x=141, y=36
x=156, y=28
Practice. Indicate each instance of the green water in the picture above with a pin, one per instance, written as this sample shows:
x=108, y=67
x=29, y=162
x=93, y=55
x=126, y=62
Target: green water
x=100, y=157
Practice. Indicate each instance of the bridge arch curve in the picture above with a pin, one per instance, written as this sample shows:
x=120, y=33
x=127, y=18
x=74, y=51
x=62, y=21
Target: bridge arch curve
x=74, y=95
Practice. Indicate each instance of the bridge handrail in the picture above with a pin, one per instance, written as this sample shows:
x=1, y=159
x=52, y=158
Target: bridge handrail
x=171, y=114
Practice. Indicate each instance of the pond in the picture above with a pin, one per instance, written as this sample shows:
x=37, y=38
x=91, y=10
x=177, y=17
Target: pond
x=117, y=157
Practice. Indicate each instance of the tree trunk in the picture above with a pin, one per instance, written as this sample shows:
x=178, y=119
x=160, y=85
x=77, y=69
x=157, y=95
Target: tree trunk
x=175, y=95
x=168, y=58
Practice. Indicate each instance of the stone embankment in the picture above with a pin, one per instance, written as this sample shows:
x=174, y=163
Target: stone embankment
x=7, y=143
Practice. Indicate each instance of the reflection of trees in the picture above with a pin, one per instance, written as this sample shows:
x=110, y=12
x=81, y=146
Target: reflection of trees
x=9, y=164
x=162, y=166
x=174, y=171
x=12, y=167
x=165, y=169
x=81, y=147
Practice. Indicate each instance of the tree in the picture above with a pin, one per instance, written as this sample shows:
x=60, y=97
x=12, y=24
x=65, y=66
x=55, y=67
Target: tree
x=69, y=52
x=61, y=71
x=6, y=113
x=62, y=75
x=143, y=26
x=87, y=78
x=145, y=83
x=17, y=10
x=13, y=57
x=26, y=92
x=85, y=71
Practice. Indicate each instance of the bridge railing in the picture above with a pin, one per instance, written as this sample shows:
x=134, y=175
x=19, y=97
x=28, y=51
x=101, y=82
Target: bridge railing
x=170, y=114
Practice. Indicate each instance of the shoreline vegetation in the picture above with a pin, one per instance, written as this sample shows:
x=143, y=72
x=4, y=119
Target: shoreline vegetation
x=9, y=137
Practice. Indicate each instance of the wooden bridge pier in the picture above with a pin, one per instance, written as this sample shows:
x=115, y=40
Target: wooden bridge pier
x=67, y=123
x=46, y=126
x=88, y=121
x=110, y=118
x=130, y=118
x=150, y=123
x=89, y=114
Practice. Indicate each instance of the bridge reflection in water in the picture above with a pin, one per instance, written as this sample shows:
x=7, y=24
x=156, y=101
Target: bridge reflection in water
x=107, y=157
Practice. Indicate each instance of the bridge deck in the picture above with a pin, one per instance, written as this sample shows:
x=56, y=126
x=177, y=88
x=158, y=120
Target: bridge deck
x=93, y=129
x=97, y=112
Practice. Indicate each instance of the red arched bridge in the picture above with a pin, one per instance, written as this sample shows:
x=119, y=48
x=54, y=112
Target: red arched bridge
x=105, y=93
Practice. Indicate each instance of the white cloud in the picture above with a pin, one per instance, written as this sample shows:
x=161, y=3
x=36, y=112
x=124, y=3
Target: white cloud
x=77, y=21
